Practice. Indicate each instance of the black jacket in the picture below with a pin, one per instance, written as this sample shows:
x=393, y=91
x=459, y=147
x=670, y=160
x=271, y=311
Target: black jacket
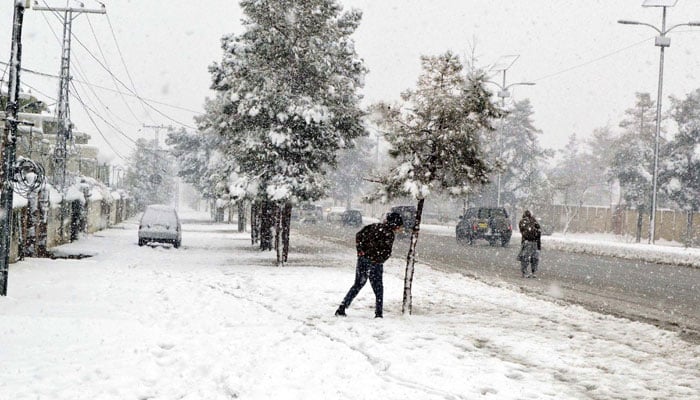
x=530, y=231
x=374, y=241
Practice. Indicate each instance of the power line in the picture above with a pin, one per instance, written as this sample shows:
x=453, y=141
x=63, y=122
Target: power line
x=87, y=111
x=113, y=75
x=592, y=61
x=113, y=81
x=129, y=89
x=121, y=56
x=44, y=74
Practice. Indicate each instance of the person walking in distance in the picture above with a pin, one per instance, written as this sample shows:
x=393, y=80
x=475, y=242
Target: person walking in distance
x=374, y=243
x=531, y=244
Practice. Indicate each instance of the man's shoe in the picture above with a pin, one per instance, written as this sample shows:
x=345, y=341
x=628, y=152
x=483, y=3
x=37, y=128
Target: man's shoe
x=532, y=276
x=526, y=275
x=340, y=312
x=378, y=316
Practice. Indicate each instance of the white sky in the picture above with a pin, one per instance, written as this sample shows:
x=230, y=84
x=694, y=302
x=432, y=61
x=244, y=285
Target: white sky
x=216, y=320
x=586, y=66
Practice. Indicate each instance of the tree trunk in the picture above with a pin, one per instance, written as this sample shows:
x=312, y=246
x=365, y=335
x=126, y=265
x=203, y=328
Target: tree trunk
x=689, y=230
x=640, y=215
x=411, y=262
x=241, y=215
x=286, y=227
x=278, y=223
x=254, y=222
x=267, y=220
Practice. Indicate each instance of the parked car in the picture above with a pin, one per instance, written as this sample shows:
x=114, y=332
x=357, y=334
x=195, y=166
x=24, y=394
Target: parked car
x=351, y=218
x=489, y=223
x=335, y=214
x=160, y=223
x=408, y=214
x=308, y=214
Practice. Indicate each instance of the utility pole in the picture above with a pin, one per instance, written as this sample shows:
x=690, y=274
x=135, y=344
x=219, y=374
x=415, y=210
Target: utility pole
x=157, y=129
x=9, y=143
x=64, y=133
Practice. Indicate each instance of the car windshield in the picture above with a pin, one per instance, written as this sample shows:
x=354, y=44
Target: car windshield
x=158, y=216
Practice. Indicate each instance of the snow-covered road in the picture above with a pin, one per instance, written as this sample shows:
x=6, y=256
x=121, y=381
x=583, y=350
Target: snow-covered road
x=216, y=319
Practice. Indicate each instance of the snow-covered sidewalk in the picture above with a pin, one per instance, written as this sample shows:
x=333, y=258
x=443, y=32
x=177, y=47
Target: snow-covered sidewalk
x=216, y=319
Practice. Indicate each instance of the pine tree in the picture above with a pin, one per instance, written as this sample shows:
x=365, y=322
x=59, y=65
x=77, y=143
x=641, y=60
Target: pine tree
x=150, y=175
x=679, y=175
x=632, y=164
x=287, y=96
x=523, y=158
x=568, y=179
x=434, y=138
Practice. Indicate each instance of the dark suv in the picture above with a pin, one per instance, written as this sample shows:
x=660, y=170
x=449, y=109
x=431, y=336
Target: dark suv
x=489, y=223
x=351, y=218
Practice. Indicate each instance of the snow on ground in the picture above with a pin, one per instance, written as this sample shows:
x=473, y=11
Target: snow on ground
x=216, y=319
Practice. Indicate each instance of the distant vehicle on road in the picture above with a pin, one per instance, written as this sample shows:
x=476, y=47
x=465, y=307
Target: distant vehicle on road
x=489, y=223
x=351, y=218
x=335, y=214
x=160, y=223
x=309, y=214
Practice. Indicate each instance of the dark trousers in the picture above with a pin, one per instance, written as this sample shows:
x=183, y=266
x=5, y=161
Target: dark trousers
x=366, y=269
x=529, y=256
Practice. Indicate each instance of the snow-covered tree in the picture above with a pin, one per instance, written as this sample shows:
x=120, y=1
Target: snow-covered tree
x=601, y=150
x=434, y=137
x=287, y=96
x=679, y=174
x=150, y=175
x=522, y=156
x=568, y=181
x=192, y=153
x=633, y=162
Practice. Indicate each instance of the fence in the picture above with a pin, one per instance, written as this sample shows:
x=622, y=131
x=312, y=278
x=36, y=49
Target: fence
x=670, y=225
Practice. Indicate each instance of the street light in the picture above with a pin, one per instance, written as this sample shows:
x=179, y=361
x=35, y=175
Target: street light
x=502, y=65
x=662, y=41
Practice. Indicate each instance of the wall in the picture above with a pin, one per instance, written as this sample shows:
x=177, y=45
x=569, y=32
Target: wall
x=670, y=224
x=100, y=215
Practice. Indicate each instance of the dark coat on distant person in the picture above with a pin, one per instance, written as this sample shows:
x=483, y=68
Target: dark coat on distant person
x=530, y=229
x=375, y=241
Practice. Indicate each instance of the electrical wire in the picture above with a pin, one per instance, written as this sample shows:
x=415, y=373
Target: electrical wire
x=78, y=67
x=87, y=111
x=44, y=74
x=105, y=61
x=127, y=88
x=592, y=61
x=121, y=56
x=109, y=71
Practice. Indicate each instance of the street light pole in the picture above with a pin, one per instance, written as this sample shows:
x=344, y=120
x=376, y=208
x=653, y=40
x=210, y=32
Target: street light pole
x=503, y=93
x=662, y=41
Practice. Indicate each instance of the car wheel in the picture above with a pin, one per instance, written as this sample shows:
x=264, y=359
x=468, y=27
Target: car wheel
x=505, y=241
x=142, y=242
x=176, y=244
